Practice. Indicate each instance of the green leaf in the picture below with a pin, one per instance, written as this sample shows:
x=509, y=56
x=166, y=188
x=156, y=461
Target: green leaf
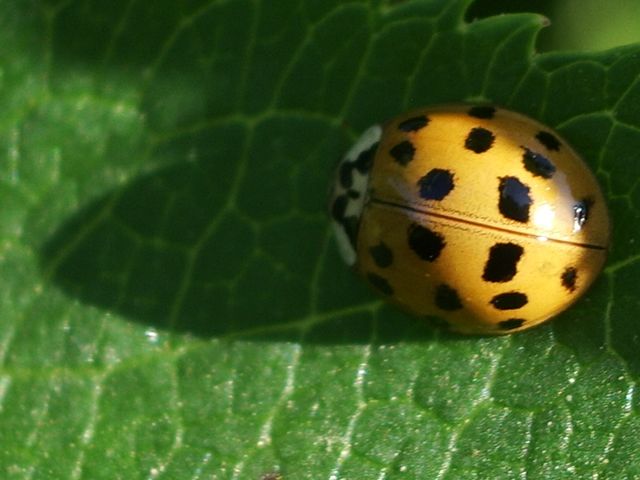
x=173, y=304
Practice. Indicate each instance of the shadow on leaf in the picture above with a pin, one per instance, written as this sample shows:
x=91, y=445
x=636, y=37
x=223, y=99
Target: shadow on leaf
x=225, y=244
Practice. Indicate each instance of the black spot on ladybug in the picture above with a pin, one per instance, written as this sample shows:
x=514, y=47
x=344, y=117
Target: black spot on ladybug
x=548, y=140
x=380, y=283
x=447, y=298
x=482, y=111
x=365, y=159
x=509, y=301
x=537, y=164
x=514, y=199
x=382, y=255
x=581, y=213
x=502, y=263
x=436, y=184
x=511, y=323
x=425, y=243
x=403, y=152
x=479, y=140
x=569, y=277
x=413, y=124
x=346, y=174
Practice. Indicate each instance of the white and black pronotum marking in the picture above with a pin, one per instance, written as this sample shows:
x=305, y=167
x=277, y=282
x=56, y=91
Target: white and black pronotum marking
x=350, y=191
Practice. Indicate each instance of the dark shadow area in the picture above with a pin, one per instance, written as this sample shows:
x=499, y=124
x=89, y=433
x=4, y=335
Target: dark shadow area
x=192, y=249
x=164, y=251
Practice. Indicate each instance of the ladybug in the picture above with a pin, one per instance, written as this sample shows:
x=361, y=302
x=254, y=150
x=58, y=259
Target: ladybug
x=474, y=214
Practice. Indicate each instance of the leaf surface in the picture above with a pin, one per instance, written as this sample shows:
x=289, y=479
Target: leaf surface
x=173, y=304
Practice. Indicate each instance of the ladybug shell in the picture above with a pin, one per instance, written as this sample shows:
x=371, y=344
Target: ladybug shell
x=480, y=216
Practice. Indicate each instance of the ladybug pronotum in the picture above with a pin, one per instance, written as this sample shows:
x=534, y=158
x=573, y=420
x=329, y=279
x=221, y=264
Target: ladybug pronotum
x=477, y=215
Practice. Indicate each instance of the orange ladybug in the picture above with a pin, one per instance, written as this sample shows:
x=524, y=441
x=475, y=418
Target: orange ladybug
x=475, y=214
